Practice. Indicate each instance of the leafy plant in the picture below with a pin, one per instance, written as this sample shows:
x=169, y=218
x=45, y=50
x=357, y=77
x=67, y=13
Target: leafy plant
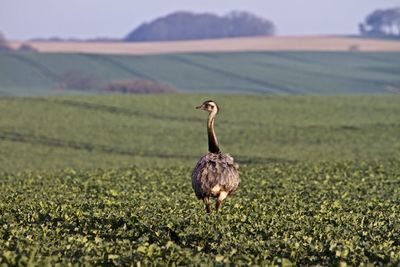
x=330, y=214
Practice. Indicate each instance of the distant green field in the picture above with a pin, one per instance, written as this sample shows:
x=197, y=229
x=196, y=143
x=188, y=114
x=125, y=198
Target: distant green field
x=33, y=74
x=89, y=132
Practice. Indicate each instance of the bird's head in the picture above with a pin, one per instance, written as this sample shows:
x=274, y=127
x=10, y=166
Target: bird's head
x=209, y=106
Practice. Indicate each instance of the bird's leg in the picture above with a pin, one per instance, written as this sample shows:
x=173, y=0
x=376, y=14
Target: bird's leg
x=218, y=205
x=221, y=197
x=207, y=203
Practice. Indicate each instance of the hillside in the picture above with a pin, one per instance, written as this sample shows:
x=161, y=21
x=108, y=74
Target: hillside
x=149, y=131
x=31, y=74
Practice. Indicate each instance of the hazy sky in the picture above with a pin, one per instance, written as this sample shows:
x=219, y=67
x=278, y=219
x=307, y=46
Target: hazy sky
x=25, y=19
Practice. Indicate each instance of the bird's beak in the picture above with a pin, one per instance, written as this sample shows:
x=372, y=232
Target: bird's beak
x=199, y=107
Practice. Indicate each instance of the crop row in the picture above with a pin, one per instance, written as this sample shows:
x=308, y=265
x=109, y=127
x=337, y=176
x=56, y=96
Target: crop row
x=153, y=130
x=306, y=214
x=33, y=74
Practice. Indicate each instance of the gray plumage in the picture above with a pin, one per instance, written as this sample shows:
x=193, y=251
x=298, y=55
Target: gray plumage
x=215, y=170
x=216, y=174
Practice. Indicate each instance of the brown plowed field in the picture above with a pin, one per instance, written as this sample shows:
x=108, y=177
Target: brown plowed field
x=312, y=43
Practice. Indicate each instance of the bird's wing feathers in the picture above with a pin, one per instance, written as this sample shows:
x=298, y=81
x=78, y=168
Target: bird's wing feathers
x=215, y=169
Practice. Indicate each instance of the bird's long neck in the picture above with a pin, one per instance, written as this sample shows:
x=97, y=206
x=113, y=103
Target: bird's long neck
x=212, y=137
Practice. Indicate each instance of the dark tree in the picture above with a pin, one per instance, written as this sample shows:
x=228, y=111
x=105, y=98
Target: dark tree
x=190, y=26
x=3, y=43
x=382, y=23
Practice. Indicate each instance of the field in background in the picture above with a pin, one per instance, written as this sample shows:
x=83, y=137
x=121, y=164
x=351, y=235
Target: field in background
x=289, y=43
x=35, y=74
x=148, y=131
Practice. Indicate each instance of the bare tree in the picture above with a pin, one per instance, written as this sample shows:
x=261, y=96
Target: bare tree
x=4, y=44
x=78, y=80
x=138, y=86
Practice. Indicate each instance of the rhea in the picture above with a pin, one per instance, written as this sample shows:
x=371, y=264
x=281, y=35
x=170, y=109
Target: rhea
x=216, y=175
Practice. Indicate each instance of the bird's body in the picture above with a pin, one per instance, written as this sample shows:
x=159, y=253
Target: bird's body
x=216, y=174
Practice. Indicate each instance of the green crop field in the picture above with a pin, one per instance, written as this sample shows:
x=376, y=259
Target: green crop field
x=325, y=214
x=121, y=131
x=105, y=180
x=34, y=74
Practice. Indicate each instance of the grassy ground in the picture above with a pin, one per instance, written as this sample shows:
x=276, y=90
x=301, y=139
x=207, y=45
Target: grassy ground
x=105, y=180
x=32, y=74
x=325, y=214
x=119, y=131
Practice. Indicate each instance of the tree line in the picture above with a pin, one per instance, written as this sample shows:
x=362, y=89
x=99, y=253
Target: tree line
x=3, y=43
x=382, y=23
x=191, y=26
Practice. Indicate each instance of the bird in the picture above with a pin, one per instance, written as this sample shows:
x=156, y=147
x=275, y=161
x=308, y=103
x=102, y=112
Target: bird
x=215, y=175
